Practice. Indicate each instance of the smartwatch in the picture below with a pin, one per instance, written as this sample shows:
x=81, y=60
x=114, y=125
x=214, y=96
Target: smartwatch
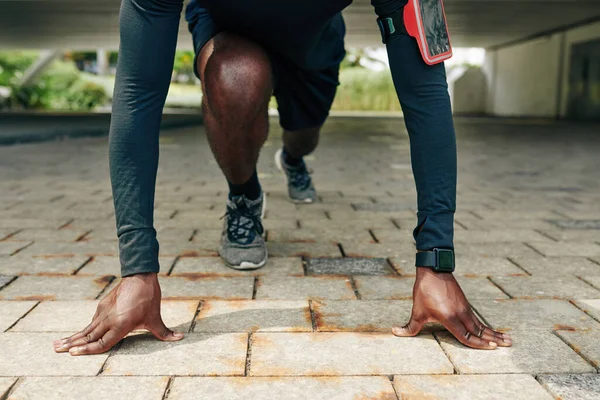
x=439, y=260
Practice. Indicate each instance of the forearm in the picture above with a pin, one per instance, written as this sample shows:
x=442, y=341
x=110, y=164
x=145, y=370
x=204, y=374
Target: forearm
x=148, y=40
x=423, y=94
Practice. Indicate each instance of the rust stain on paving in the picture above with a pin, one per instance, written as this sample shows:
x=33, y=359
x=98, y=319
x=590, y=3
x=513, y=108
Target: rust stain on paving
x=202, y=253
x=560, y=327
x=52, y=274
x=104, y=280
x=36, y=297
x=195, y=276
x=203, y=298
x=386, y=396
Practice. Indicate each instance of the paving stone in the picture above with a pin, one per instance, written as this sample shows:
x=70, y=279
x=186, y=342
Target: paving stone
x=289, y=388
x=189, y=287
x=72, y=316
x=10, y=247
x=318, y=235
x=35, y=223
x=354, y=224
x=326, y=354
x=283, y=249
x=361, y=316
x=585, y=342
x=349, y=266
x=400, y=288
x=31, y=354
x=572, y=387
x=470, y=387
x=11, y=311
x=254, y=316
x=106, y=265
x=532, y=352
x=564, y=287
x=54, y=235
x=547, y=314
x=22, y=265
x=306, y=287
x=577, y=224
x=591, y=307
x=54, y=249
x=594, y=281
x=538, y=265
x=5, y=385
x=503, y=235
x=584, y=235
x=377, y=250
x=214, y=266
x=5, y=279
x=498, y=249
x=207, y=354
x=54, y=288
x=96, y=388
x=555, y=249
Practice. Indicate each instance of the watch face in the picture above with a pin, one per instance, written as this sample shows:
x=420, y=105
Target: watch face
x=446, y=260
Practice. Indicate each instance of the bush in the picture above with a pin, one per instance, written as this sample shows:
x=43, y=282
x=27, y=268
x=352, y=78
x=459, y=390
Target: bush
x=13, y=64
x=365, y=90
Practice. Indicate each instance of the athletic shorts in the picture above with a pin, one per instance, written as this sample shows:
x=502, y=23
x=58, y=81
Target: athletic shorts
x=305, y=50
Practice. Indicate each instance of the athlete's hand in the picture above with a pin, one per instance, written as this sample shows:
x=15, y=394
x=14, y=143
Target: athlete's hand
x=133, y=304
x=437, y=297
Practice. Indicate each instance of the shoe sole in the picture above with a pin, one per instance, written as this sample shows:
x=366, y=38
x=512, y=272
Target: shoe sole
x=285, y=178
x=247, y=265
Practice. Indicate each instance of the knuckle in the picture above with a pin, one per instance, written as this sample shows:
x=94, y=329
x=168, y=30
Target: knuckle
x=88, y=338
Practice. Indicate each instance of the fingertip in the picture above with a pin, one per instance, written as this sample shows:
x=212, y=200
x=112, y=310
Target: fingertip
x=179, y=335
x=75, y=351
x=493, y=345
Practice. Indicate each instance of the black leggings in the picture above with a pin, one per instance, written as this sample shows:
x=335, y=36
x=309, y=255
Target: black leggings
x=148, y=39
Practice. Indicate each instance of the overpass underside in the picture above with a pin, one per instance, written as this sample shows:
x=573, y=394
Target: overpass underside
x=543, y=56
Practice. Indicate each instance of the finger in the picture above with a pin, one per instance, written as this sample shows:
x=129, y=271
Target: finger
x=463, y=335
x=89, y=338
x=413, y=327
x=63, y=345
x=101, y=345
x=488, y=334
x=161, y=332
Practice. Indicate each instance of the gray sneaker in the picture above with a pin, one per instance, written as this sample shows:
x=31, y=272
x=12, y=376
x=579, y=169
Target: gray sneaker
x=242, y=244
x=300, y=186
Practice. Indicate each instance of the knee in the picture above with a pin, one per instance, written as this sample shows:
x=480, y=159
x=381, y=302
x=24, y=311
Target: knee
x=386, y=7
x=238, y=74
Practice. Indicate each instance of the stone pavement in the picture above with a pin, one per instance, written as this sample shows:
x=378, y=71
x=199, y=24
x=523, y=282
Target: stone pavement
x=315, y=322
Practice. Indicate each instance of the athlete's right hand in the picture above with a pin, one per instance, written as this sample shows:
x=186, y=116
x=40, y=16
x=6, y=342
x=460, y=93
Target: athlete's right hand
x=133, y=304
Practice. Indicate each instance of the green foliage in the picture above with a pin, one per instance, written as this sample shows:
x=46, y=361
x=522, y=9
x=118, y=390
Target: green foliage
x=60, y=87
x=364, y=90
x=184, y=65
x=13, y=64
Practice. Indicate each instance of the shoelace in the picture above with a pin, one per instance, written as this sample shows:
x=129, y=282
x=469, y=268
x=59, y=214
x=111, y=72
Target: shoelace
x=242, y=224
x=299, y=177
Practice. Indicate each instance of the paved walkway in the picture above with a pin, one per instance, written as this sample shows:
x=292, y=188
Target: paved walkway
x=315, y=322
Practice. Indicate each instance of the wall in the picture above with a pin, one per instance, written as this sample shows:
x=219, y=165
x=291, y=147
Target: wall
x=531, y=78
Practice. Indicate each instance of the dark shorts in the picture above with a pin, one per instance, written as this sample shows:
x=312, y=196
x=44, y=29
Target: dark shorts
x=305, y=62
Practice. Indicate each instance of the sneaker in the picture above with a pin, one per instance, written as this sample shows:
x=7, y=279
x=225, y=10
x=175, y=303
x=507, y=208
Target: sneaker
x=300, y=186
x=242, y=244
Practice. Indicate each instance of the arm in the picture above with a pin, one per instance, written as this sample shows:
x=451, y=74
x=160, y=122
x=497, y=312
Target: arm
x=423, y=93
x=148, y=40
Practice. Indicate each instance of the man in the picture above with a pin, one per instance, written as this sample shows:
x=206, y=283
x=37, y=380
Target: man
x=241, y=47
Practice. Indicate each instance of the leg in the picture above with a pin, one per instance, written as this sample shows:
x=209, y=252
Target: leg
x=423, y=94
x=298, y=144
x=237, y=85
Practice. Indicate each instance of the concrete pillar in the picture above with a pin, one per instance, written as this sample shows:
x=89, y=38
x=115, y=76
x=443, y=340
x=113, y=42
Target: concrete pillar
x=102, y=61
x=37, y=68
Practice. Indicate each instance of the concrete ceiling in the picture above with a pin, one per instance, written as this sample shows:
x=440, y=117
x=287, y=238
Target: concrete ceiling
x=89, y=24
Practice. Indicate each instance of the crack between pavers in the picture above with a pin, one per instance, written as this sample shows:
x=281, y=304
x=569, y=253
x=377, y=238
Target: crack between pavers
x=545, y=235
x=174, y=214
x=518, y=266
x=576, y=350
x=355, y=288
x=112, y=279
x=534, y=249
x=457, y=222
x=14, y=278
x=255, y=286
x=373, y=236
x=489, y=278
x=594, y=261
x=572, y=301
x=313, y=316
x=391, y=378
x=11, y=389
x=168, y=388
x=248, y=355
x=439, y=342
x=114, y=349
x=194, y=233
x=22, y=316
x=586, y=282
x=80, y=238
x=341, y=248
x=172, y=267
x=546, y=388
x=11, y=235
x=476, y=215
x=66, y=224
x=193, y=323
x=89, y=260
x=22, y=248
